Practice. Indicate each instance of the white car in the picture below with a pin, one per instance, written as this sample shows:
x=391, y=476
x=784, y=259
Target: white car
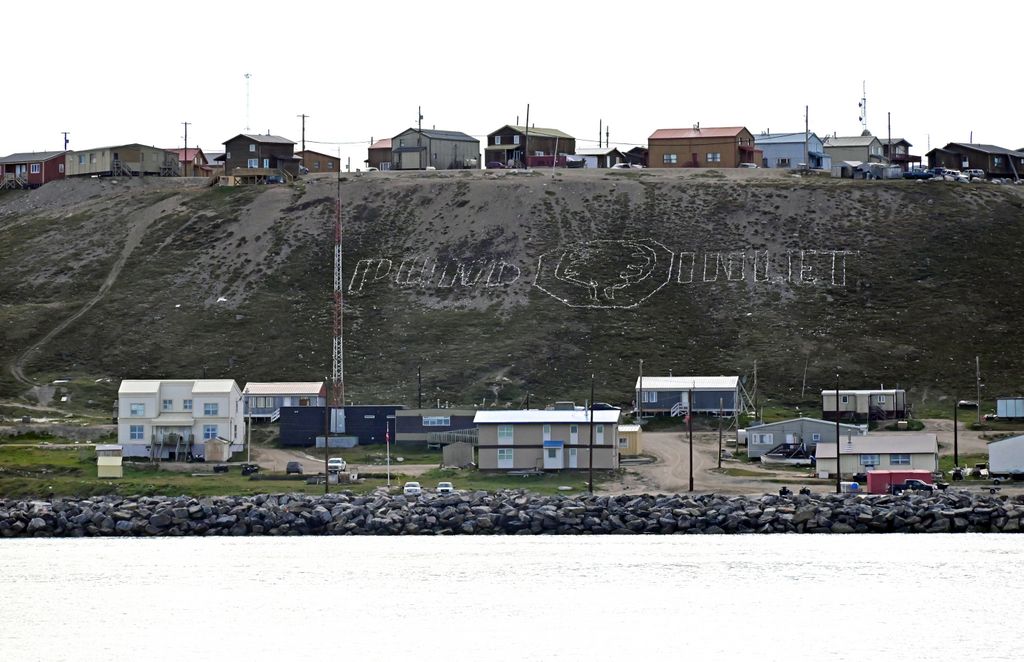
x=412, y=488
x=336, y=465
x=444, y=487
x=626, y=166
x=749, y=165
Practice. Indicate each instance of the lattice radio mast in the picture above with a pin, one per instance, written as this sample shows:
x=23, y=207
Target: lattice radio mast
x=338, y=373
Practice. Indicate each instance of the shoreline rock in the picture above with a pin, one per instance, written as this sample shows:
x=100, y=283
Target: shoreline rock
x=507, y=513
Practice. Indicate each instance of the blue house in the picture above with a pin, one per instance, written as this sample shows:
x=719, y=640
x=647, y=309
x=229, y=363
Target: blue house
x=670, y=395
x=786, y=150
x=264, y=400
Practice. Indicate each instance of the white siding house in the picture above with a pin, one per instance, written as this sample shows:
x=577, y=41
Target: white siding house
x=887, y=452
x=171, y=418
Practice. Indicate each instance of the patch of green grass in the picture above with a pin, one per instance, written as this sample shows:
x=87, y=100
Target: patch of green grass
x=375, y=454
x=966, y=460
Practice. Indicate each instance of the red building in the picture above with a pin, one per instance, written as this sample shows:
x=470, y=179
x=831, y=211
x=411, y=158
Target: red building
x=31, y=169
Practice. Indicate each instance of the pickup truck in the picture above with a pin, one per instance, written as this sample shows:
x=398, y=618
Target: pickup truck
x=912, y=484
x=917, y=173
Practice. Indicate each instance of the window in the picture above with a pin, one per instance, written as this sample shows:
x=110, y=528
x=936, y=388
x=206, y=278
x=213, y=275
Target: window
x=714, y=157
x=266, y=163
x=539, y=152
x=252, y=147
x=34, y=168
x=899, y=459
x=60, y=167
x=316, y=165
x=504, y=458
x=844, y=399
x=869, y=460
x=167, y=405
x=599, y=434
x=515, y=140
x=330, y=165
x=209, y=432
x=210, y=409
x=816, y=436
x=623, y=442
x=997, y=161
x=227, y=156
x=880, y=399
x=92, y=158
x=81, y=159
x=505, y=434
x=137, y=409
x=186, y=405
x=649, y=397
x=552, y=453
x=437, y=421
x=497, y=140
x=669, y=158
x=136, y=432
x=762, y=438
x=253, y=163
x=782, y=162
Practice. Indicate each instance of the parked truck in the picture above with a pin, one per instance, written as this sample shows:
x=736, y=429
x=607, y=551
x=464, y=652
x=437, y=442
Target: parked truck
x=883, y=482
x=1006, y=459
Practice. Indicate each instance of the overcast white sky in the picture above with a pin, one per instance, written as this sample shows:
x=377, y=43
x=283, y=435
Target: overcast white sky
x=121, y=72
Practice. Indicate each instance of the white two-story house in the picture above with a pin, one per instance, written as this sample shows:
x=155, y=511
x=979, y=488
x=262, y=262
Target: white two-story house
x=171, y=418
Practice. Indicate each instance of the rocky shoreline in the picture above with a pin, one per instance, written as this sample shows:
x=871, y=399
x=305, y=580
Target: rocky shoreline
x=507, y=513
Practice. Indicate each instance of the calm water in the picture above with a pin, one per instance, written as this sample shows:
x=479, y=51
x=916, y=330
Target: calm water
x=515, y=598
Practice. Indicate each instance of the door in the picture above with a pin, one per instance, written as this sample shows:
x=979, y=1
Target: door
x=553, y=456
x=574, y=434
x=790, y=438
x=266, y=163
x=573, y=458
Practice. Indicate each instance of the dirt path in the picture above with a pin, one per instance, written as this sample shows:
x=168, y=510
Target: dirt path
x=140, y=221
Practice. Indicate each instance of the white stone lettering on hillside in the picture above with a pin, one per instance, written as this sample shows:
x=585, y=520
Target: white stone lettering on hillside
x=608, y=273
x=431, y=273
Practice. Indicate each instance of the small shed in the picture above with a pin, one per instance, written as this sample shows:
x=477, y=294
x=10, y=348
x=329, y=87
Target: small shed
x=630, y=440
x=108, y=461
x=459, y=454
x=217, y=450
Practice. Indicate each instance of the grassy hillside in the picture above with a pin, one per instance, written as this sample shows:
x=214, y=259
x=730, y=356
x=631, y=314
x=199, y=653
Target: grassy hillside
x=508, y=284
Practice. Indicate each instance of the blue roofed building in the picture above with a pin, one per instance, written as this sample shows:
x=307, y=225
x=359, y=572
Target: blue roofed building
x=786, y=150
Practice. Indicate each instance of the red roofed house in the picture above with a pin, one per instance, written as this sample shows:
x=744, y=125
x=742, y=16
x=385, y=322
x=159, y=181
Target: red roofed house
x=379, y=155
x=193, y=162
x=31, y=169
x=712, y=147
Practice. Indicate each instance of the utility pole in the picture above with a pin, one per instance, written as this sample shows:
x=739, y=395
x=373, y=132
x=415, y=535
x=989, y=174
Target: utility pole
x=590, y=462
x=606, y=130
x=419, y=388
x=184, y=157
x=600, y=129
x=303, y=131
x=689, y=428
x=640, y=396
x=65, y=139
x=977, y=382
x=807, y=136
x=839, y=487
x=956, y=447
x=247, y=77
x=526, y=140
x=419, y=118
x=721, y=406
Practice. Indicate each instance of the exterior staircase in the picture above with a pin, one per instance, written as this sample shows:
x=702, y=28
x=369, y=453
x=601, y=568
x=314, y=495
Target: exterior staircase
x=13, y=181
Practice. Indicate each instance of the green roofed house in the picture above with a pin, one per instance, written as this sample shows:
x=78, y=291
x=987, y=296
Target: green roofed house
x=513, y=146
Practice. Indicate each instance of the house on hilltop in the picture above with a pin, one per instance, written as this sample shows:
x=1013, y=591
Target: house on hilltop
x=864, y=404
x=418, y=149
x=600, y=157
x=994, y=160
x=129, y=160
x=671, y=395
x=192, y=162
x=897, y=152
x=379, y=155
x=864, y=148
x=515, y=146
x=253, y=158
x=319, y=162
x=789, y=150
x=708, y=147
x=31, y=169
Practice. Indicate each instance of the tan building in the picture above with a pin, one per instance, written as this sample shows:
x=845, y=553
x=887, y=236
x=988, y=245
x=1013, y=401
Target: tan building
x=121, y=161
x=712, y=147
x=544, y=439
x=630, y=440
x=864, y=404
x=864, y=148
x=318, y=162
x=109, y=461
x=886, y=452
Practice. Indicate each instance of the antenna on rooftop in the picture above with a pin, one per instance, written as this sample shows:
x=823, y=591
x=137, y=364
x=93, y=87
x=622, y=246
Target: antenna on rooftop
x=247, y=77
x=863, y=105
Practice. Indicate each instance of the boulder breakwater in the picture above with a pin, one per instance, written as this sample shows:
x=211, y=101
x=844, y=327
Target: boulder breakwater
x=507, y=513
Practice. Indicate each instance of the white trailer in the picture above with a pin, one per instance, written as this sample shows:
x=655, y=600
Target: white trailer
x=1006, y=458
x=1010, y=407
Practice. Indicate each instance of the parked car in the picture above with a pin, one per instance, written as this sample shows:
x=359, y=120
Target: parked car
x=336, y=465
x=912, y=484
x=975, y=173
x=293, y=468
x=249, y=468
x=444, y=487
x=747, y=165
x=918, y=173
x=412, y=488
x=495, y=165
x=626, y=166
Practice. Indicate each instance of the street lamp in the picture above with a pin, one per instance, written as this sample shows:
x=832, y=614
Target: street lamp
x=689, y=427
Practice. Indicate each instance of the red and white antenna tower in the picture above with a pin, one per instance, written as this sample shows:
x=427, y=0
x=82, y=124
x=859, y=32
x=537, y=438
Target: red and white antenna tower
x=338, y=374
